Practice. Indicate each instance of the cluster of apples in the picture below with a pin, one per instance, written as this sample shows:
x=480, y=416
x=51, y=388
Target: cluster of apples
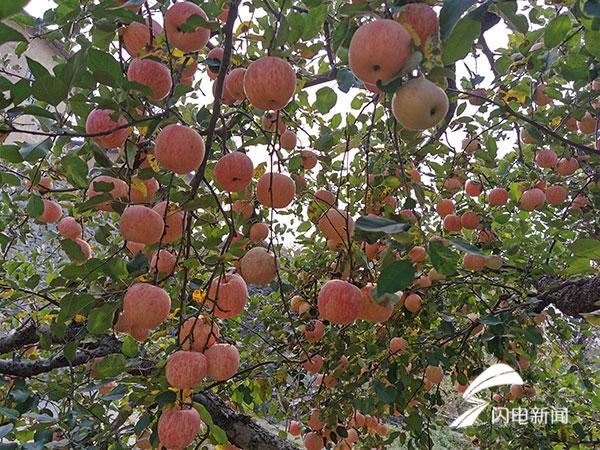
x=379, y=51
x=185, y=369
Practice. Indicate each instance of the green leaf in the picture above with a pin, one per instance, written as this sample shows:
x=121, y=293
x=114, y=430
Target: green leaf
x=8, y=34
x=451, y=12
x=326, y=99
x=50, y=89
x=130, y=347
x=9, y=412
x=76, y=170
x=508, y=10
x=35, y=206
x=592, y=42
x=103, y=65
x=138, y=265
x=376, y=224
x=218, y=434
x=575, y=68
x=166, y=397
x=592, y=7
x=204, y=414
x=11, y=153
x=70, y=350
x=313, y=21
x=143, y=423
x=533, y=335
x=386, y=394
x=392, y=85
x=557, y=30
x=346, y=80
x=72, y=249
x=466, y=247
x=196, y=21
x=340, y=34
x=20, y=91
x=100, y=319
x=71, y=305
x=112, y=365
x=442, y=258
x=394, y=277
x=116, y=268
x=459, y=43
x=10, y=179
x=34, y=110
x=36, y=69
x=9, y=8
x=588, y=248
x=36, y=151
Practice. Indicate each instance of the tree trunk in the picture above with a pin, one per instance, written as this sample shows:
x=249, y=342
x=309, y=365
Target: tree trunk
x=570, y=297
x=240, y=429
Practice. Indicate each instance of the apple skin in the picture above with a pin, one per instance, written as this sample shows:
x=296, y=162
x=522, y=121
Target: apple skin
x=420, y=20
x=378, y=51
x=419, y=104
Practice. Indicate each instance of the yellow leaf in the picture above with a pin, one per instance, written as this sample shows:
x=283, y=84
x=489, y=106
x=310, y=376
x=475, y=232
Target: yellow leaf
x=243, y=27
x=520, y=97
x=7, y=294
x=177, y=53
x=199, y=295
x=260, y=170
x=152, y=162
x=79, y=318
x=174, y=314
x=139, y=185
x=556, y=121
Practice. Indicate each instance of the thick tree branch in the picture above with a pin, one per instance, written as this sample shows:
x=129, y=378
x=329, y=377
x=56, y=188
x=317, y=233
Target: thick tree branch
x=570, y=297
x=26, y=335
x=29, y=334
x=19, y=368
x=241, y=430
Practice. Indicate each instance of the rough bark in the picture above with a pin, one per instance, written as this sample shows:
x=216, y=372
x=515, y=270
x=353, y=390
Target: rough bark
x=30, y=333
x=24, y=368
x=26, y=335
x=241, y=430
x=570, y=297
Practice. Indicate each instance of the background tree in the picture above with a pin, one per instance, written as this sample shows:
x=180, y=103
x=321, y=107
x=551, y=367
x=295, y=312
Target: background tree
x=308, y=153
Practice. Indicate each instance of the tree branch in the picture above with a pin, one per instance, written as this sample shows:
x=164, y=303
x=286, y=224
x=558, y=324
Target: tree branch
x=26, y=335
x=322, y=78
x=531, y=122
x=241, y=430
x=216, y=111
x=570, y=297
x=19, y=368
